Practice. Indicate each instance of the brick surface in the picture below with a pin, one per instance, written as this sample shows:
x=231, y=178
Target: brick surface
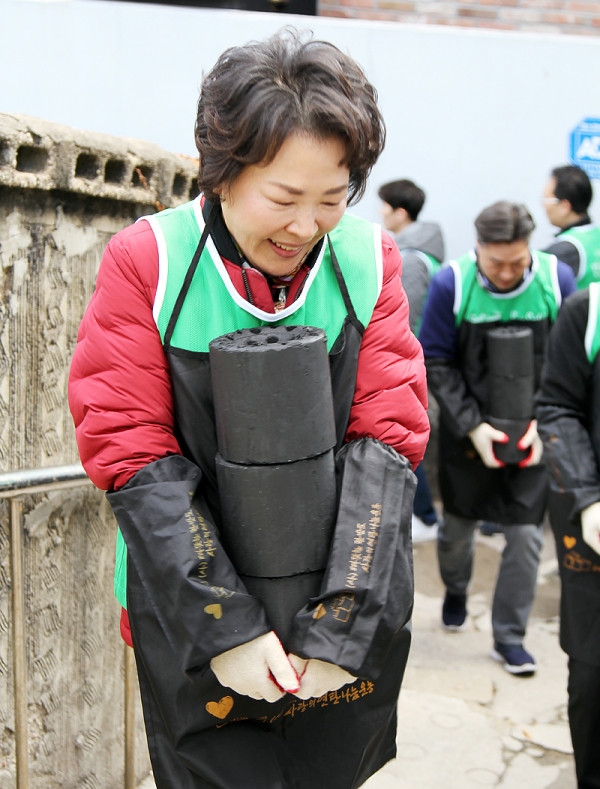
x=393, y=5
x=592, y=8
x=521, y=14
x=581, y=17
x=478, y=13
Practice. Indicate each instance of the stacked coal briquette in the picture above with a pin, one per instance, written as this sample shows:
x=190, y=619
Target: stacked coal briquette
x=275, y=464
x=511, y=387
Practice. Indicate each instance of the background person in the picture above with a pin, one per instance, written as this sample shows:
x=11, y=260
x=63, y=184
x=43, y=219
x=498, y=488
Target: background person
x=569, y=423
x=287, y=133
x=422, y=248
x=421, y=243
x=500, y=283
x=567, y=197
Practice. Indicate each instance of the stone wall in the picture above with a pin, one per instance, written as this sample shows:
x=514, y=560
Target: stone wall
x=575, y=17
x=63, y=194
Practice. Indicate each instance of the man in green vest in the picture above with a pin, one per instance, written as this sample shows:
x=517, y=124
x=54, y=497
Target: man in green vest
x=567, y=197
x=500, y=283
x=569, y=419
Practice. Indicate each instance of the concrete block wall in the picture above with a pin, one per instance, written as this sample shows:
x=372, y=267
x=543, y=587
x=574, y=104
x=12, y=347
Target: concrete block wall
x=63, y=194
x=576, y=17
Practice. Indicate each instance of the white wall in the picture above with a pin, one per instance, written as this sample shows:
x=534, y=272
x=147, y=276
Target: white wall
x=472, y=116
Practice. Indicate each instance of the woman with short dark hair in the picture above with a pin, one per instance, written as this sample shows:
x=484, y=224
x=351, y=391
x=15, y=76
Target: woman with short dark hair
x=287, y=131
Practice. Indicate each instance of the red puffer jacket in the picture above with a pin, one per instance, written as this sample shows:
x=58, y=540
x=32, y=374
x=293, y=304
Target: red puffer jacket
x=120, y=391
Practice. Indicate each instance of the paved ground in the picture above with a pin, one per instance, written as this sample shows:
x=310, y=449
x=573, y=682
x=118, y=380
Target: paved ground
x=463, y=721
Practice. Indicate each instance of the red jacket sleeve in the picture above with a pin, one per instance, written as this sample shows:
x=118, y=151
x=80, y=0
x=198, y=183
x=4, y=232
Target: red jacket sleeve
x=390, y=399
x=119, y=387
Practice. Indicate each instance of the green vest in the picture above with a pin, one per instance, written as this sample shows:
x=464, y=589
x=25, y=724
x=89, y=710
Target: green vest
x=586, y=239
x=213, y=306
x=592, y=332
x=536, y=299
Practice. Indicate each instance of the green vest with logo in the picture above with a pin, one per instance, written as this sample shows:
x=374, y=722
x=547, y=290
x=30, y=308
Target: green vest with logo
x=586, y=239
x=536, y=299
x=213, y=306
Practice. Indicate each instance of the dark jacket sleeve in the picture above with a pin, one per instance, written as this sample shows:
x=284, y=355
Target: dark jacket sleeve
x=201, y=604
x=439, y=338
x=566, y=280
x=567, y=252
x=367, y=592
x=563, y=407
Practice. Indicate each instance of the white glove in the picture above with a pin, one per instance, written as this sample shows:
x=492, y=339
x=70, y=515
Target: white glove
x=483, y=437
x=318, y=677
x=259, y=669
x=531, y=439
x=590, y=526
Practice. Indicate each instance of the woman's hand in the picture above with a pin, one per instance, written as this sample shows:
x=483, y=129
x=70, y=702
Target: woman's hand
x=484, y=436
x=533, y=442
x=259, y=669
x=318, y=677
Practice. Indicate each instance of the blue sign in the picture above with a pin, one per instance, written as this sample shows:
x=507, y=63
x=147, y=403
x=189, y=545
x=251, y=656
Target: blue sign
x=585, y=146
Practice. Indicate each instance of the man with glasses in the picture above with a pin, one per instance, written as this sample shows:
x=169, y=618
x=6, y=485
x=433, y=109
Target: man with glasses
x=501, y=283
x=567, y=197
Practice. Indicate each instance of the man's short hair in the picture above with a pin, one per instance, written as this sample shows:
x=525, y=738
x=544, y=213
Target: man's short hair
x=403, y=194
x=504, y=222
x=573, y=184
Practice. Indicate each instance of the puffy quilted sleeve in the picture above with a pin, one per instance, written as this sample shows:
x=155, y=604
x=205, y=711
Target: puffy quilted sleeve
x=390, y=399
x=119, y=388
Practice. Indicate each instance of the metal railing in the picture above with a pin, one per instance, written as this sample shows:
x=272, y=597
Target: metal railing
x=14, y=485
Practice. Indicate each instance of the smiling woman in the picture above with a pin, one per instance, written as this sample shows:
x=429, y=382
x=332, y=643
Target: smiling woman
x=277, y=212
x=287, y=132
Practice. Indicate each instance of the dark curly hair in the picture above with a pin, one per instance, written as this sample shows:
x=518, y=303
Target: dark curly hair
x=257, y=95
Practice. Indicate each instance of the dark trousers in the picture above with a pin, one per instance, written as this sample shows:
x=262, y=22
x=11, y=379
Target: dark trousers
x=584, y=721
x=579, y=636
x=423, y=504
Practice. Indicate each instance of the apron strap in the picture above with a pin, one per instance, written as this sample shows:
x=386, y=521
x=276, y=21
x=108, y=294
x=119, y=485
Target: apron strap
x=344, y=290
x=189, y=276
x=194, y=265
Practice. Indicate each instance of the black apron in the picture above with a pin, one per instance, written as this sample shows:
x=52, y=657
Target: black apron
x=579, y=568
x=469, y=489
x=335, y=742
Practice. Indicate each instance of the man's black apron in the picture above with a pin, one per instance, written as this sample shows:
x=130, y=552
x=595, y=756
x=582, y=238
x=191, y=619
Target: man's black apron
x=510, y=495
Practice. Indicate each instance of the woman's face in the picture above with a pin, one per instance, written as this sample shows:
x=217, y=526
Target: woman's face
x=277, y=212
